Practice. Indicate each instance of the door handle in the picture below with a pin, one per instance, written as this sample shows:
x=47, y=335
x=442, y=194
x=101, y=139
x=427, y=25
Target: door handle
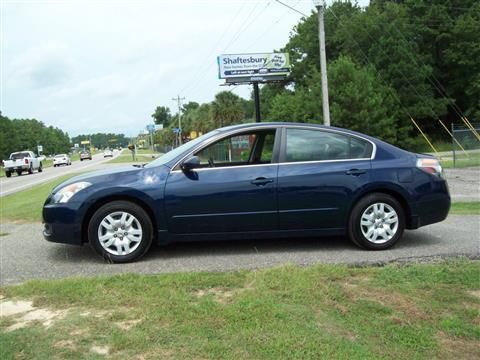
x=356, y=172
x=261, y=181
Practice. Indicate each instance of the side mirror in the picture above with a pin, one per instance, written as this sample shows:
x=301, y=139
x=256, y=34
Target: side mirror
x=191, y=163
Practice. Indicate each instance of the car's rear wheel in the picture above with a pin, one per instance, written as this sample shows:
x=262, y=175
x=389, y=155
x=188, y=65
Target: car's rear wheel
x=19, y=172
x=120, y=231
x=8, y=173
x=376, y=222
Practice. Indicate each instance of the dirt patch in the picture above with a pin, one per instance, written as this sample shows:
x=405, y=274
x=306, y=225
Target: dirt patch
x=390, y=298
x=474, y=293
x=24, y=314
x=220, y=295
x=100, y=350
x=65, y=344
x=127, y=325
x=457, y=348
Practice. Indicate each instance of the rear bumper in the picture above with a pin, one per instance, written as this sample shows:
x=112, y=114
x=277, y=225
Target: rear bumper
x=432, y=207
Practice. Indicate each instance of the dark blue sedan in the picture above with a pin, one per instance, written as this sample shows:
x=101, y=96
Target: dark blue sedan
x=265, y=180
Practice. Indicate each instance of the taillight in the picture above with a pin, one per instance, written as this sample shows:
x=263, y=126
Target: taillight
x=431, y=166
x=26, y=161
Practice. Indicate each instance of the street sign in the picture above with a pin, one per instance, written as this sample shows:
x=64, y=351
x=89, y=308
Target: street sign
x=39, y=148
x=264, y=65
x=85, y=142
x=176, y=130
x=150, y=128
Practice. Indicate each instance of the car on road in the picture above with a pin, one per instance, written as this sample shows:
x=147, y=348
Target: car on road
x=61, y=159
x=22, y=161
x=107, y=153
x=251, y=181
x=85, y=154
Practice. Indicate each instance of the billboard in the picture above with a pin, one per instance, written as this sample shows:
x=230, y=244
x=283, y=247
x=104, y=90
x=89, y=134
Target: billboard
x=251, y=65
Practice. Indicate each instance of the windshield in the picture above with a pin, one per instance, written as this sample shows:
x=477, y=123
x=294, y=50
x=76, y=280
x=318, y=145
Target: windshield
x=169, y=156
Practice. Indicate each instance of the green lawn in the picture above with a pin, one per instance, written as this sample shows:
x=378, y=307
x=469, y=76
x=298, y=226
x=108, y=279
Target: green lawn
x=146, y=151
x=27, y=205
x=127, y=158
x=465, y=208
x=462, y=161
x=420, y=311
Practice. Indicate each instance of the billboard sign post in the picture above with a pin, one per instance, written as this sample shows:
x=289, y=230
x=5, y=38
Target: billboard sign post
x=253, y=69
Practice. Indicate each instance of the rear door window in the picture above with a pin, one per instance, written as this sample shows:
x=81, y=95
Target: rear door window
x=318, y=145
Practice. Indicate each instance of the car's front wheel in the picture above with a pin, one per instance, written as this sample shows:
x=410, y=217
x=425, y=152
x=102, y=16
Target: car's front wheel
x=120, y=231
x=376, y=222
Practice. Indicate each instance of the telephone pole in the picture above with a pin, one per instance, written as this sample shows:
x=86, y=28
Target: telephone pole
x=320, y=5
x=179, y=100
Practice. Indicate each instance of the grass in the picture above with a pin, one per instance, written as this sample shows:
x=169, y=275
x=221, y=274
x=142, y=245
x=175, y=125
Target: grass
x=127, y=158
x=27, y=205
x=146, y=151
x=420, y=311
x=465, y=208
x=462, y=161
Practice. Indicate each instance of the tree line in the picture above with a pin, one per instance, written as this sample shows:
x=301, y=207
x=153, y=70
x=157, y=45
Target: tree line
x=26, y=134
x=102, y=140
x=388, y=63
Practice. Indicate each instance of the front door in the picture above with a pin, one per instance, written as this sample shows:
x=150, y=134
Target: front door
x=233, y=190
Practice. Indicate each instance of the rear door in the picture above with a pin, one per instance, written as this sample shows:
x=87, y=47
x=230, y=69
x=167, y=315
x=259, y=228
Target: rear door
x=318, y=173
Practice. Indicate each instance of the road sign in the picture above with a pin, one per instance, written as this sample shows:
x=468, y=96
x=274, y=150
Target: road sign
x=150, y=128
x=176, y=130
x=39, y=148
x=85, y=142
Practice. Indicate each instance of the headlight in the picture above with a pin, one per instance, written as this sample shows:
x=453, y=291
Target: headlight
x=65, y=193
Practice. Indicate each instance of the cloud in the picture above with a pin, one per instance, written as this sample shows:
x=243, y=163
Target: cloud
x=43, y=66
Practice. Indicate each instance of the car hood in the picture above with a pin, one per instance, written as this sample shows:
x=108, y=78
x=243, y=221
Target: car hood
x=118, y=176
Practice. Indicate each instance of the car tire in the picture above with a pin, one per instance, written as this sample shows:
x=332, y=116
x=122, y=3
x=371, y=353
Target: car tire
x=40, y=167
x=8, y=173
x=120, y=231
x=19, y=172
x=81, y=159
x=376, y=222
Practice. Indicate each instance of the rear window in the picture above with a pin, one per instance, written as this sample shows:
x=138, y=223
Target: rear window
x=315, y=145
x=60, y=155
x=19, y=156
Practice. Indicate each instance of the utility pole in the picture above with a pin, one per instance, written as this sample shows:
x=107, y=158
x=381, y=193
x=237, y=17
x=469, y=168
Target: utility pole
x=179, y=100
x=320, y=5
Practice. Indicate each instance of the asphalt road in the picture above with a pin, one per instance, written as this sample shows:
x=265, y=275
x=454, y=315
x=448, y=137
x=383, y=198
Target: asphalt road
x=25, y=255
x=18, y=183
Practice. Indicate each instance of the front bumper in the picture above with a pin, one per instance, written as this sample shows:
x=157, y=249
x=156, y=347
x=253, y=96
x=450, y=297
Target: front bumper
x=62, y=224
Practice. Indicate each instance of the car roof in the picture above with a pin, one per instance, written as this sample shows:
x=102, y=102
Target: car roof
x=287, y=124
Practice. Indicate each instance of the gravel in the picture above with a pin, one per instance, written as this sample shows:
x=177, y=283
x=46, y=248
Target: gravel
x=464, y=183
x=24, y=255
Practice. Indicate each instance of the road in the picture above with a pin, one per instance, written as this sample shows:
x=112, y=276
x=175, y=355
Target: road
x=25, y=255
x=17, y=183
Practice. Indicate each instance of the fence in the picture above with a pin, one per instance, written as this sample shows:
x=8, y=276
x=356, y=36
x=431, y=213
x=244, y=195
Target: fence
x=465, y=145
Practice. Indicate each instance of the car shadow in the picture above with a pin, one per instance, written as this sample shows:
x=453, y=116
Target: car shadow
x=187, y=250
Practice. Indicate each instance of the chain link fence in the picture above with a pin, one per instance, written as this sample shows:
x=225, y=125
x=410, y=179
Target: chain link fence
x=465, y=145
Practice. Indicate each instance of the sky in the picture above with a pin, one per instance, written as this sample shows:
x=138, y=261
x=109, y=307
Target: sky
x=103, y=66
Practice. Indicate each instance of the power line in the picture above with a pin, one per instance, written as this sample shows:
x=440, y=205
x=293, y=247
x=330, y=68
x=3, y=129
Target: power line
x=212, y=50
x=291, y=8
